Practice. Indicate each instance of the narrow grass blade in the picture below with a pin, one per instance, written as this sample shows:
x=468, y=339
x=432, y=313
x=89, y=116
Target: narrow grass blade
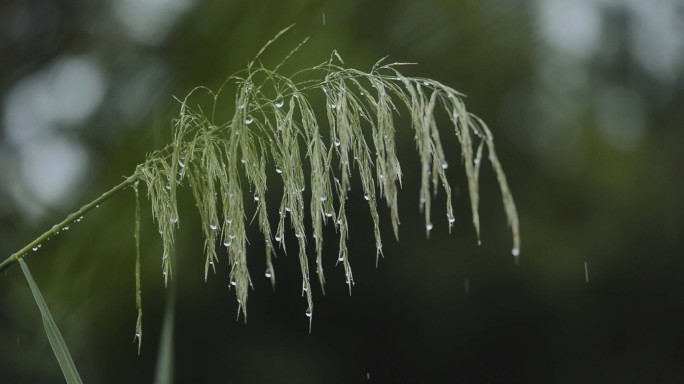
x=164, y=371
x=66, y=363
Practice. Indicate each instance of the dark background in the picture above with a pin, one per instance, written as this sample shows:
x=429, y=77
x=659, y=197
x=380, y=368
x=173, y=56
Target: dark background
x=585, y=99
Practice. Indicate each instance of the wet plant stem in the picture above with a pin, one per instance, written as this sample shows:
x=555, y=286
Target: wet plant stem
x=14, y=258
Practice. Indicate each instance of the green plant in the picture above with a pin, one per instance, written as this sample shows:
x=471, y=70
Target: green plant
x=274, y=127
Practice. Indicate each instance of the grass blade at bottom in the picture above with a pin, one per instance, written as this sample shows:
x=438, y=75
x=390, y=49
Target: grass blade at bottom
x=66, y=363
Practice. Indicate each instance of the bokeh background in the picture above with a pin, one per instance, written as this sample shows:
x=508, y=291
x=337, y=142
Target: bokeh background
x=586, y=101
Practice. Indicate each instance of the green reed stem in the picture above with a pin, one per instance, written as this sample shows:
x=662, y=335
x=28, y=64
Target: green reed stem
x=14, y=258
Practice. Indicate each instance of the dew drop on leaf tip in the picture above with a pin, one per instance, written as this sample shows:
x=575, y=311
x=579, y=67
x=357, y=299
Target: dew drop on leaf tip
x=308, y=313
x=515, y=252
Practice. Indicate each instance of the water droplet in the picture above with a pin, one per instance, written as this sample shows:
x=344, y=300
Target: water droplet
x=337, y=142
x=425, y=83
x=168, y=186
x=66, y=228
x=278, y=170
x=97, y=206
x=298, y=235
x=328, y=214
x=213, y=226
x=429, y=227
x=279, y=103
x=476, y=161
x=243, y=161
x=256, y=197
x=308, y=312
x=515, y=251
x=35, y=249
x=333, y=106
x=445, y=165
x=174, y=220
x=340, y=258
x=451, y=219
x=232, y=281
x=229, y=221
x=79, y=219
x=249, y=120
x=241, y=106
x=366, y=196
x=268, y=273
x=181, y=163
x=287, y=209
x=323, y=198
x=277, y=238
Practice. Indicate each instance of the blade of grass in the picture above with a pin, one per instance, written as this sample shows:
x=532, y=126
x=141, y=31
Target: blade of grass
x=164, y=370
x=66, y=363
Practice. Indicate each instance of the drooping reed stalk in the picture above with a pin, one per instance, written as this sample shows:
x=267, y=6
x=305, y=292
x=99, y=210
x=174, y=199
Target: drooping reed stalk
x=275, y=128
